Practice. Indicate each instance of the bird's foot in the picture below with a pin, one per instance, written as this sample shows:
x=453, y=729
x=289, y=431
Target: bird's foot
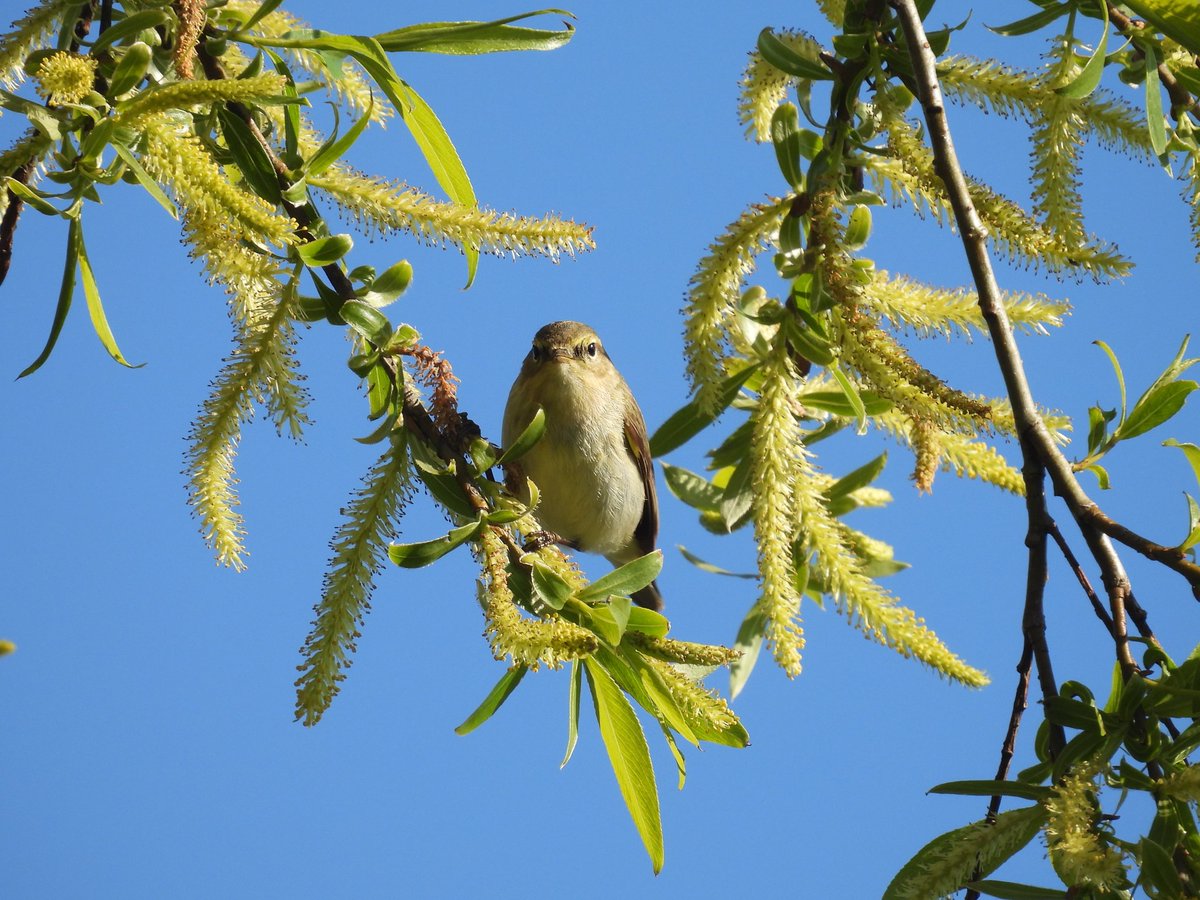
x=536, y=540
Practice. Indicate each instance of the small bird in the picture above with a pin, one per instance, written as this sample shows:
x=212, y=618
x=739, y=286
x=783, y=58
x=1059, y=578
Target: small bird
x=592, y=464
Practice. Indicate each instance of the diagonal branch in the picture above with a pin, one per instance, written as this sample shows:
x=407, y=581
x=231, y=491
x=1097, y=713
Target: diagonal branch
x=1035, y=438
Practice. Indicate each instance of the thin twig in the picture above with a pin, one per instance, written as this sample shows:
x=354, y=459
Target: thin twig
x=1069, y=555
x=1171, y=557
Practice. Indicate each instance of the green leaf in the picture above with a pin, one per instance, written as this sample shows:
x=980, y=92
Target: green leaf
x=33, y=197
x=549, y=587
x=1155, y=124
x=1089, y=76
x=325, y=251
x=785, y=135
x=1177, y=19
x=978, y=845
x=335, y=148
x=249, y=156
x=379, y=391
x=858, y=229
x=838, y=404
x=431, y=137
x=66, y=291
x=738, y=497
x=749, y=641
x=459, y=38
x=145, y=180
x=690, y=419
x=494, y=700
x=128, y=27
x=694, y=490
x=1101, y=474
x=647, y=621
x=265, y=8
x=709, y=567
x=1191, y=451
x=630, y=757
x=95, y=307
x=810, y=343
x=573, y=692
x=443, y=487
x=131, y=69
x=531, y=434
x=1112, y=357
x=422, y=553
x=1031, y=23
x=993, y=789
x=1011, y=890
x=1193, y=537
x=367, y=321
x=852, y=396
x=1156, y=406
x=784, y=58
x=625, y=580
x=860, y=477
x=1158, y=871
x=386, y=287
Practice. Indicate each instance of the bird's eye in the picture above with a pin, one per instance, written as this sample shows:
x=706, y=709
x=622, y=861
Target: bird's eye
x=591, y=348
x=534, y=353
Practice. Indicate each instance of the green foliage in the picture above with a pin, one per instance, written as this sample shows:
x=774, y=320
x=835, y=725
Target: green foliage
x=234, y=156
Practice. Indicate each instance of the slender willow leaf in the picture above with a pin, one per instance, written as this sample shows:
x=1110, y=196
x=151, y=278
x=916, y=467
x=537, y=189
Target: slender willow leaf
x=65, y=293
x=249, y=156
x=784, y=58
x=573, y=692
x=647, y=621
x=694, y=490
x=459, y=38
x=1154, y=111
x=526, y=439
x=993, y=789
x=145, y=180
x=852, y=397
x=1154, y=408
x=96, y=308
x=414, y=556
x=127, y=27
x=689, y=420
x=549, y=587
x=494, y=700
x=1089, y=76
x=630, y=757
x=335, y=148
x=1031, y=23
x=749, y=642
x=709, y=567
x=326, y=250
x=1011, y=890
x=623, y=581
x=860, y=477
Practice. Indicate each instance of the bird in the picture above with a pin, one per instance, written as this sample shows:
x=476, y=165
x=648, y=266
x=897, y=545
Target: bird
x=592, y=465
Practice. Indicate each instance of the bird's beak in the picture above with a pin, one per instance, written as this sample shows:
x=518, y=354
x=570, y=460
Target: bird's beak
x=560, y=354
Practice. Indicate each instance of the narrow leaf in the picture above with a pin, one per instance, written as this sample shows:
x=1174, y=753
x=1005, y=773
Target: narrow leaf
x=630, y=757
x=65, y=292
x=414, y=556
x=709, y=567
x=1031, y=23
x=1089, y=76
x=1011, y=890
x=526, y=439
x=625, y=580
x=784, y=58
x=749, y=641
x=334, y=149
x=694, y=490
x=460, y=38
x=494, y=700
x=1155, y=407
x=96, y=308
x=1155, y=124
x=690, y=419
x=993, y=789
x=326, y=250
x=852, y=396
x=145, y=180
x=573, y=692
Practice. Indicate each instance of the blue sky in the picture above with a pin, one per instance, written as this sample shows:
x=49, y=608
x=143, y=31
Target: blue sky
x=149, y=748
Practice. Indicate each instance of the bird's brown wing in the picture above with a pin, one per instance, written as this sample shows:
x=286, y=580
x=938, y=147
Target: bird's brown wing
x=646, y=532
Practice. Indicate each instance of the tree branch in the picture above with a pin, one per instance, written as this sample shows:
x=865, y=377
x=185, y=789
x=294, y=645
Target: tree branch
x=1181, y=100
x=1035, y=437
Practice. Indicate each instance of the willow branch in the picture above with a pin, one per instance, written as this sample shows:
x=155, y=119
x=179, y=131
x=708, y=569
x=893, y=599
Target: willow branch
x=1035, y=437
